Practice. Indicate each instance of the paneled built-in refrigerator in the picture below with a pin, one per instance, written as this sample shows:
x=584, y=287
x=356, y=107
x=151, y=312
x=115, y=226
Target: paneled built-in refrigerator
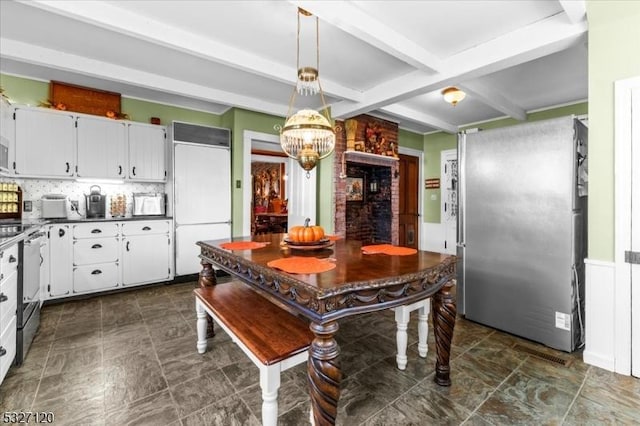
x=522, y=230
x=200, y=191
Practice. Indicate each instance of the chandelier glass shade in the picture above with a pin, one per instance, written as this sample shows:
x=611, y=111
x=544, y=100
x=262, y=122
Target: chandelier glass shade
x=307, y=135
x=453, y=95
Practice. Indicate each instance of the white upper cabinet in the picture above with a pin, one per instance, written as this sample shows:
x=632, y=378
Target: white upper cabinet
x=147, y=149
x=44, y=143
x=6, y=135
x=102, y=148
x=48, y=143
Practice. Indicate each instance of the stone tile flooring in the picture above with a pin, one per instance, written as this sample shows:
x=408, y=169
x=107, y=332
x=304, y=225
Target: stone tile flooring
x=130, y=359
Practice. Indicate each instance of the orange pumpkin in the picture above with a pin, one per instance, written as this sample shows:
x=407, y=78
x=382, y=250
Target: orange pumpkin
x=306, y=233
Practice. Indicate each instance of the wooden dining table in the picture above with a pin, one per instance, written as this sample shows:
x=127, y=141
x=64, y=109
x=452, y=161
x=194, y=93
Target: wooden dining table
x=359, y=283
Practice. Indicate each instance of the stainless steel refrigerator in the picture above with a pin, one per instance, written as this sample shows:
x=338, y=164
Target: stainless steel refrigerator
x=522, y=230
x=200, y=190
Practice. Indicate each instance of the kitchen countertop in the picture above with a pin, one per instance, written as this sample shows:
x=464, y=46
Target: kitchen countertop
x=106, y=219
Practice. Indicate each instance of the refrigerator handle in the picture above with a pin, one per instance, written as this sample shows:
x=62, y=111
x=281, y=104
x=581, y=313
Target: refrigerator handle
x=461, y=187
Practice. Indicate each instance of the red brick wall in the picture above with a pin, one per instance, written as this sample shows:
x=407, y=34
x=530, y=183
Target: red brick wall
x=389, y=131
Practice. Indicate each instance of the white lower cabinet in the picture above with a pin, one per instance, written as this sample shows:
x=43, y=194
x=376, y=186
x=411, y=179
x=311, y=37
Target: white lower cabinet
x=90, y=278
x=90, y=257
x=7, y=347
x=147, y=252
x=95, y=256
x=8, y=305
x=60, y=261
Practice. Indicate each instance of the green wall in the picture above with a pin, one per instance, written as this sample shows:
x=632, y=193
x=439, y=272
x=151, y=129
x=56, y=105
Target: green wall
x=434, y=143
x=614, y=37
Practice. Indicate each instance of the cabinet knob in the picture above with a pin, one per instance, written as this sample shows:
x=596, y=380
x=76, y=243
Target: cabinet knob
x=119, y=170
x=133, y=170
x=96, y=246
x=61, y=232
x=96, y=231
x=12, y=259
x=127, y=246
x=68, y=167
x=146, y=228
x=96, y=272
x=3, y=297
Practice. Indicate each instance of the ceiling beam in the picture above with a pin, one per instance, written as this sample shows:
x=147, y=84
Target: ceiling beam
x=491, y=97
x=420, y=117
x=122, y=21
x=358, y=23
x=29, y=53
x=522, y=45
x=576, y=10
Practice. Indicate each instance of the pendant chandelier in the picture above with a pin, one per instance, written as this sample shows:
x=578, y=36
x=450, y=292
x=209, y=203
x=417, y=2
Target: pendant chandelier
x=307, y=135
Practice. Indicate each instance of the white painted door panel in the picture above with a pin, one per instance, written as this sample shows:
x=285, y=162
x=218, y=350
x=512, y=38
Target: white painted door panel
x=635, y=231
x=301, y=192
x=145, y=258
x=202, y=184
x=102, y=145
x=187, y=261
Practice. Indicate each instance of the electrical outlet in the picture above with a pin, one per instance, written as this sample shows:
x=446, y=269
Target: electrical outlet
x=28, y=205
x=74, y=204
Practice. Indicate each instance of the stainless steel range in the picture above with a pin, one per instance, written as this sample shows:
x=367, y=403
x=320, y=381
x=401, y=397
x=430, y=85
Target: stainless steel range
x=28, y=310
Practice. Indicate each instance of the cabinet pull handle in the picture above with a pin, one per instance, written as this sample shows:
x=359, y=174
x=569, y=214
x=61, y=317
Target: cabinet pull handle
x=119, y=170
x=3, y=351
x=133, y=170
x=146, y=228
x=96, y=272
x=96, y=231
x=12, y=259
x=1, y=277
x=61, y=233
x=68, y=167
x=3, y=297
x=96, y=246
x=127, y=245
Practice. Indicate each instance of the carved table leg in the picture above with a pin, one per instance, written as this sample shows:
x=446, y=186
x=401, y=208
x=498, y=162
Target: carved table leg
x=324, y=375
x=207, y=278
x=444, y=320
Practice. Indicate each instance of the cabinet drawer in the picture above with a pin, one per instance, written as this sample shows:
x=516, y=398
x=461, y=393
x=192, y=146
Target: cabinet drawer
x=8, y=261
x=95, y=230
x=145, y=227
x=8, y=344
x=91, y=278
x=8, y=291
x=95, y=250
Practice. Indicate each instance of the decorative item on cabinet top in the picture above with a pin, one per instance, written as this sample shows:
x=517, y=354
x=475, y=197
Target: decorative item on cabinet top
x=70, y=97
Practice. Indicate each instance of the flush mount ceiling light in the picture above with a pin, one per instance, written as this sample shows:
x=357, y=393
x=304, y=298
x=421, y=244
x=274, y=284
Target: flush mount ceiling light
x=307, y=135
x=453, y=95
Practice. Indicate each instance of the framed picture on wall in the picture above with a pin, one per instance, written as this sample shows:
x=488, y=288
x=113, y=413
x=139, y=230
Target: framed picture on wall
x=354, y=189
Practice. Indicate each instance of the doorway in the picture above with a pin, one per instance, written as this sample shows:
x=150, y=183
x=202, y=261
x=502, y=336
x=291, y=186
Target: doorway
x=300, y=189
x=627, y=231
x=408, y=215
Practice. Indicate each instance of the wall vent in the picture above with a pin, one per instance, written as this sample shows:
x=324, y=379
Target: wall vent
x=194, y=133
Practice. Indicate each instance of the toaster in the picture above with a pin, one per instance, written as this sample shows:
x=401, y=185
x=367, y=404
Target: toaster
x=148, y=204
x=54, y=206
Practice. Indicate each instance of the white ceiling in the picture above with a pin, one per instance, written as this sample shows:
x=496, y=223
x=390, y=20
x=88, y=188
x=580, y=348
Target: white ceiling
x=390, y=59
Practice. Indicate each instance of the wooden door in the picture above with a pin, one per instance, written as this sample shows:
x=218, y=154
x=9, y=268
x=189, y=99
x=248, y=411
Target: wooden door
x=409, y=168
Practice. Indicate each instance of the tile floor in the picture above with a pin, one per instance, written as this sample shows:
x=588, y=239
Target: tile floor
x=130, y=359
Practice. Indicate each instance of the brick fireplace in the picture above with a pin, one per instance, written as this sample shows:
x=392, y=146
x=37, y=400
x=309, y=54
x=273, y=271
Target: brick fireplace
x=372, y=216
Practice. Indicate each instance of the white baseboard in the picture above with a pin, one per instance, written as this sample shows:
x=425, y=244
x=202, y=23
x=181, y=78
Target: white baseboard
x=600, y=314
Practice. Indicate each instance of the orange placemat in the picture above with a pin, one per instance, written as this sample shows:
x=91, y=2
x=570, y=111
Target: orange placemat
x=302, y=265
x=242, y=245
x=388, y=249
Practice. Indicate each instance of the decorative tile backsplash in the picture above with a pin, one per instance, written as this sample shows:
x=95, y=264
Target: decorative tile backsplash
x=34, y=189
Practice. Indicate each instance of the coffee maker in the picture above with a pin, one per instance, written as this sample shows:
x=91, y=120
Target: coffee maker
x=95, y=203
